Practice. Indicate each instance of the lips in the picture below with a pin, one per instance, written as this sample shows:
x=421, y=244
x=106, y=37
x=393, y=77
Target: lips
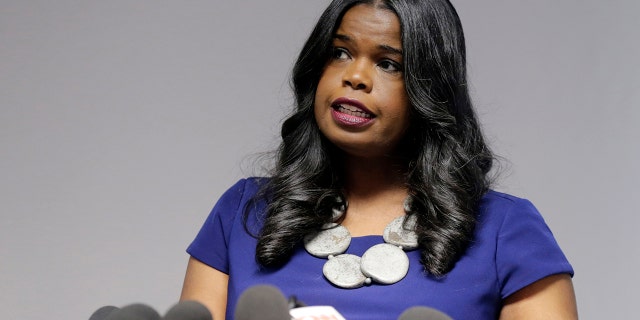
x=351, y=110
x=351, y=113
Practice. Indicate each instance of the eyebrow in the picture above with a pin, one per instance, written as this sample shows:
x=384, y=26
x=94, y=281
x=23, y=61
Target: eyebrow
x=384, y=47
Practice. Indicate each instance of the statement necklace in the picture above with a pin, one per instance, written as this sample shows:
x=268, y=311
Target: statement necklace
x=384, y=263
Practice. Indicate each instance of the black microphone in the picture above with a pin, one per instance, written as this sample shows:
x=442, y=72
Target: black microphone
x=103, y=312
x=134, y=312
x=262, y=302
x=188, y=310
x=423, y=313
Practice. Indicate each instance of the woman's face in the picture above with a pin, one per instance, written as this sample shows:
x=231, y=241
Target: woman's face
x=361, y=104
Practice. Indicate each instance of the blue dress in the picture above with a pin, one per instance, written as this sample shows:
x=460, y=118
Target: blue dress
x=512, y=248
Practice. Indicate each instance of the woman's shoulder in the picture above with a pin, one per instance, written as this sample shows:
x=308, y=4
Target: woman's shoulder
x=497, y=197
x=525, y=248
x=498, y=208
x=247, y=186
x=496, y=200
x=236, y=197
x=252, y=182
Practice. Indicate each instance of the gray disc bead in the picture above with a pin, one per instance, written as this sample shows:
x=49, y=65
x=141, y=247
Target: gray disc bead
x=398, y=235
x=344, y=271
x=385, y=263
x=333, y=240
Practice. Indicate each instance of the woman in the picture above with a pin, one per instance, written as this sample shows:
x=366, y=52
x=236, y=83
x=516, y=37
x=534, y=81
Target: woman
x=384, y=130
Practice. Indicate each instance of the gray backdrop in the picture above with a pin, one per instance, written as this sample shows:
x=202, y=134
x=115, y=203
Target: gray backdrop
x=123, y=121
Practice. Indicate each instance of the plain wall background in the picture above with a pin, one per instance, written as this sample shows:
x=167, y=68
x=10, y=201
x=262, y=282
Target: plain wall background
x=121, y=122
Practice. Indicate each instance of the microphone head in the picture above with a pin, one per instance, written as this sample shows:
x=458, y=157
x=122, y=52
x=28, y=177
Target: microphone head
x=188, y=310
x=103, y=312
x=423, y=313
x=134, y=312
x=262, y=302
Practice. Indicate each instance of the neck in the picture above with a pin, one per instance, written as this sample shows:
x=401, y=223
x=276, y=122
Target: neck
x=366, y=177
x=375, y=190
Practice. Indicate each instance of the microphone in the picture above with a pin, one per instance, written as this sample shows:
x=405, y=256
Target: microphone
x=103, y=312
x=262, y=302
x=423, y=313
x=316, y=312
x=300, y=311
x=188, y=310
x=134, y=312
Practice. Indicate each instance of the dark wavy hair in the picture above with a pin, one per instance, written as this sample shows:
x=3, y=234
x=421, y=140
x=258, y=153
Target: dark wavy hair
x=447, y=159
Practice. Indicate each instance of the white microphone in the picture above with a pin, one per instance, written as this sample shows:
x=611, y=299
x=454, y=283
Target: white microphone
x=315, y=313
x=300, y=311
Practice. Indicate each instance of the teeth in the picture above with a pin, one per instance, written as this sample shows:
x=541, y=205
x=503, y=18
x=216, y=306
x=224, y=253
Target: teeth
x=353, y=111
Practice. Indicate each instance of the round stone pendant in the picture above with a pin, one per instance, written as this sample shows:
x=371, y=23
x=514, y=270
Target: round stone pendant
x=399, y=234
x=344, y=271
x=385, y=263
x=334, y=239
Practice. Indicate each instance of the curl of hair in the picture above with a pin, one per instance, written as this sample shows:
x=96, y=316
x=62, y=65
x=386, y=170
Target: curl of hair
x=447, y=158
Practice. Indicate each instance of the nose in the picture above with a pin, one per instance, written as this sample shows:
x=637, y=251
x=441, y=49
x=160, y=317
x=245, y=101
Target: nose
x=357, y=76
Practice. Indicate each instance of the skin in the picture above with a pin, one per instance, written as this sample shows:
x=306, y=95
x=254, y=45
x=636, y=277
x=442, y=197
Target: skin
x=206, y=285
x=551, y=298
x=367, y=66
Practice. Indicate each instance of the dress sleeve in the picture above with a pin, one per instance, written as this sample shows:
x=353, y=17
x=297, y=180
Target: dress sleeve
x=526, y=249
x=211, y=244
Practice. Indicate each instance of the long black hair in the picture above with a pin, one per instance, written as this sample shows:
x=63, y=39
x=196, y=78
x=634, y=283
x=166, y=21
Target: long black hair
x=447, y=159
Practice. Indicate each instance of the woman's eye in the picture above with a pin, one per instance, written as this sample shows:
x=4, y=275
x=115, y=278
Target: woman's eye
x=340, y=54
x=390, y=66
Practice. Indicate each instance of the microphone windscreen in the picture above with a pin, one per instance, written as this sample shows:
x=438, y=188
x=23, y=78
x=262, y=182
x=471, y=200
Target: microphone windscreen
x=188, y=310
x=262, y=302
x=423, y=313
x=103, y=312
x=134, y=312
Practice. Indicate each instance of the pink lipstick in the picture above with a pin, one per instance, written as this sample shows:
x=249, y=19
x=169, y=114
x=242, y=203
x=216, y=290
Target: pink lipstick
x=351, y=113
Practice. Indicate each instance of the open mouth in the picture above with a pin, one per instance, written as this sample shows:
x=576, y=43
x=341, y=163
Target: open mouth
x=352, y=111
